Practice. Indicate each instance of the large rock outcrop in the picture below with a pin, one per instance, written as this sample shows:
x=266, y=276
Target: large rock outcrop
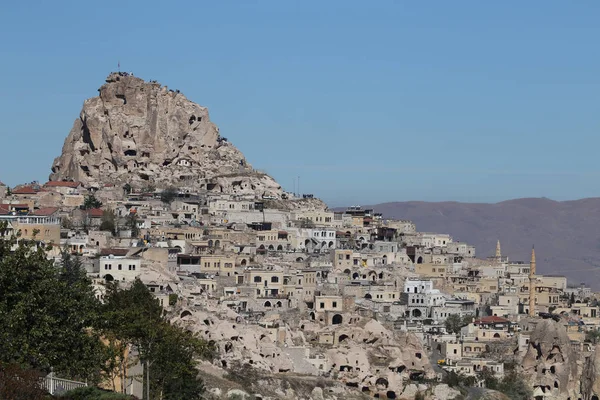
x=550, y=364
x=143, y=133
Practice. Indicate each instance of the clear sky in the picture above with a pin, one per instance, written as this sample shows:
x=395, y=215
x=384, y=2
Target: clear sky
x=366, y=101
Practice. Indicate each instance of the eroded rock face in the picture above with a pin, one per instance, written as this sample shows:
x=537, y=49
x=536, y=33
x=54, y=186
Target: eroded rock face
x=550, y=363
x=140, y=132
x=590, y=379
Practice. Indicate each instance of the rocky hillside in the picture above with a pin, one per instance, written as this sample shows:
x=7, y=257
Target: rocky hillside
x=141, y=132
x=565, y=234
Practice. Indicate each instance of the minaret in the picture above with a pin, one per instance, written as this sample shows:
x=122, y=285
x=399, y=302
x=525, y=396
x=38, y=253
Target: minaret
x=532, y=284
x=498, y=252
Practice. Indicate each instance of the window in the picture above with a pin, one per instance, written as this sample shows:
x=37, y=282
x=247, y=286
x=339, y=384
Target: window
x=347, y=256
x=257, y=279
x=321, y=305
x=334, y=304
x=120, y=267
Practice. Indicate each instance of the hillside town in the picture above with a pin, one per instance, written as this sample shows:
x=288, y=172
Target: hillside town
x=345, y=304
x=290, y=287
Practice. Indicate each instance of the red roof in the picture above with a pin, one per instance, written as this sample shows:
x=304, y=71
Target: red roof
x=62, y=184
x=492, y=320
x=45, y=211
x=24, y=190
x=95, y=212
x=18, y=205
x=4, y=209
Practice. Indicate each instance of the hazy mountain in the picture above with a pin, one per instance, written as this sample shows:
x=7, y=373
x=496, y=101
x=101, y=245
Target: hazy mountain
x=566, y=234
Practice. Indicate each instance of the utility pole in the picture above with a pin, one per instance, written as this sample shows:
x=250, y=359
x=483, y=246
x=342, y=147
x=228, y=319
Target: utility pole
x=299, y=192
x=148, y=380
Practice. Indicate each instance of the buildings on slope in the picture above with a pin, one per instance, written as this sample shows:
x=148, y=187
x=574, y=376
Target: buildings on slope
x=310, y=279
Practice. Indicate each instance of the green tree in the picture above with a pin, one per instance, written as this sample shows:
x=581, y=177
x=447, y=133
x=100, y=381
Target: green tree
x=173, y=367
x=127, y=188
x=168, y=195
x=132, y=224
x=134, y=316
x=47, y=312
x=489, y=378
x=91, y=202
x=109, y=222
x=515, y=387
x=454, y=322
x=592, y=336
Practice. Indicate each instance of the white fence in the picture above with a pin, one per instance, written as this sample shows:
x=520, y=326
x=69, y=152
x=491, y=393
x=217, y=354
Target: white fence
x=57, y=385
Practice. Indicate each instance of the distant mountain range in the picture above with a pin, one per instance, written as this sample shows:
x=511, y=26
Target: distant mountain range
x=566, y=234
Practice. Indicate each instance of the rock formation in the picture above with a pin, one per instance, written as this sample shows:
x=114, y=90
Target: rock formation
x=550, y=363
x=142, y=133
x=590, y=379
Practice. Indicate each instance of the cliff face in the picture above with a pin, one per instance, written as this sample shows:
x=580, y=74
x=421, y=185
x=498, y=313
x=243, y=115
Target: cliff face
x=140, y=132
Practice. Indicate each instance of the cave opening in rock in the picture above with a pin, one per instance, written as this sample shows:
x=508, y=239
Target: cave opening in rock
x=382, y=382
x=130, y=153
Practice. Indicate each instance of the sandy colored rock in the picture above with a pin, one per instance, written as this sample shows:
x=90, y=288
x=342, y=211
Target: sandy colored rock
x=550, y=362
x=590, y=379
x=143, y=133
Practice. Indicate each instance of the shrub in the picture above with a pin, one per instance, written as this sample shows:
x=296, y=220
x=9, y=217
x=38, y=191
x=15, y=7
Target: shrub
x=93, y=393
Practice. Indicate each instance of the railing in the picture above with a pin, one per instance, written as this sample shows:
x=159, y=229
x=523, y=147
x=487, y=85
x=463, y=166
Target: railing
x=58, y=385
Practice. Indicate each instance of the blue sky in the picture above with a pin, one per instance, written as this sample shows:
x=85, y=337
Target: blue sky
x=365, y=101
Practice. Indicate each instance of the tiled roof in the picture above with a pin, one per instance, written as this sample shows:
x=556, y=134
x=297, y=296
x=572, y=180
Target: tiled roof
x=62, y=184
x=24, y=190
x=18, y=205
x=492, y=320
x=95, y=212
x=45, y=211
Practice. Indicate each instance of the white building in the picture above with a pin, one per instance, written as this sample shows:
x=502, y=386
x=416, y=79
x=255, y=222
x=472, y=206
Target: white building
x=115, y=268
